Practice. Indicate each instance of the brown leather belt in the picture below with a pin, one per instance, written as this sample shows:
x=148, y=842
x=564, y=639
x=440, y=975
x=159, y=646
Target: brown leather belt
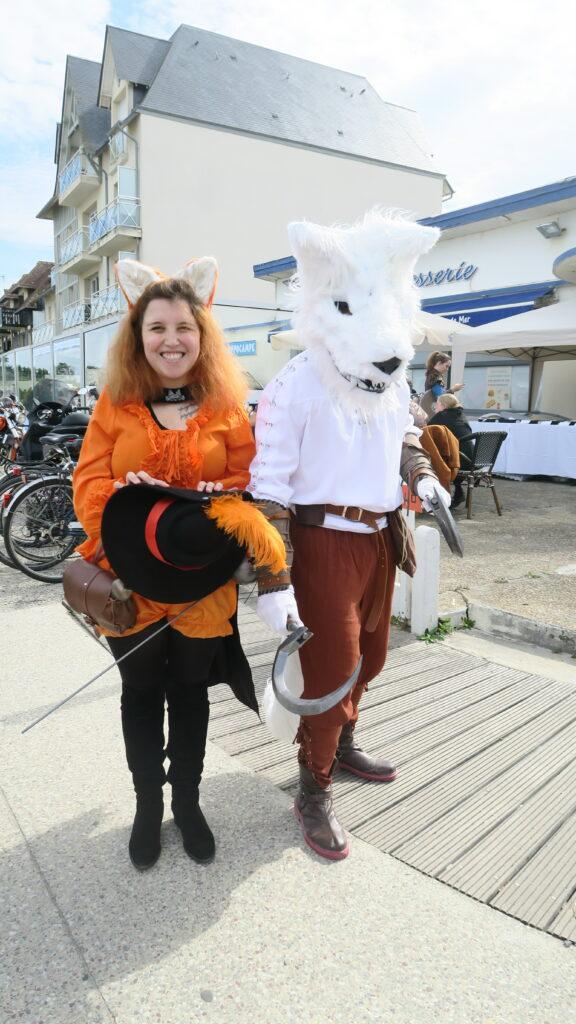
x=356, y=515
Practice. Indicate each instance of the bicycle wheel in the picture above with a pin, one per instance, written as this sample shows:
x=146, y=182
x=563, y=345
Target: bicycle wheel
x=8, y=486
x=36, y=529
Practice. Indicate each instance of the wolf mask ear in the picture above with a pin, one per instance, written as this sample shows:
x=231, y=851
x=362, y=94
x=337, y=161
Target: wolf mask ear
x=134, y=277
x=202, y=275
x=413, y=240
x=320, y=254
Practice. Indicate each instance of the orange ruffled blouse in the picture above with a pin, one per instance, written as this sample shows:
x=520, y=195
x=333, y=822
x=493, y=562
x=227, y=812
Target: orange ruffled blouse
x=120, y=439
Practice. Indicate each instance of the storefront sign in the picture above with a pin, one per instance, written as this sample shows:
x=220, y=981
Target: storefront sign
x=242, y=348
x=462, y=273
x=498, y=387
x=485, y=316
x=16, y=318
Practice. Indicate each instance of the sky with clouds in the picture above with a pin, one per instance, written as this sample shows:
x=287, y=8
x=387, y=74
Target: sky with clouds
x=493, y=82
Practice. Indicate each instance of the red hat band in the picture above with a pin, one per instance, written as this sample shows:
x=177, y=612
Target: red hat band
x=150, y=530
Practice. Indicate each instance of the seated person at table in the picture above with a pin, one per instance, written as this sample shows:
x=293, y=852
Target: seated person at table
x=448, y=412
x=437, y=366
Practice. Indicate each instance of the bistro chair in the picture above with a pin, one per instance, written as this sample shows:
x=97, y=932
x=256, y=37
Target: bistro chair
x=477, y=471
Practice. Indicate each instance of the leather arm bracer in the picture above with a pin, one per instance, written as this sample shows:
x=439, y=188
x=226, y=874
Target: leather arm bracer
x=414, y=462
x=279, y=516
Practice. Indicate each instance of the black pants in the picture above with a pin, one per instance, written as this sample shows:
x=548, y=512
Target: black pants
x=173, y=668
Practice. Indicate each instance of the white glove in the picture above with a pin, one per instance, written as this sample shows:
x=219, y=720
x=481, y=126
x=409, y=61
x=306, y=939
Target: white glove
x=426, y=486
x=276, y=608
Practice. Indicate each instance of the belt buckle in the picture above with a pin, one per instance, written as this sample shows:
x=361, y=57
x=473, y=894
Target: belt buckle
x=358, y=518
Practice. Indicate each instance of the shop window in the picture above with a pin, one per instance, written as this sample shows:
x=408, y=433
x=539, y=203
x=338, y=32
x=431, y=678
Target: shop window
x=24, y=374
x=8, y=376
x=95, y=348
x=67, y=368
x=43, y=390
x=495, y=387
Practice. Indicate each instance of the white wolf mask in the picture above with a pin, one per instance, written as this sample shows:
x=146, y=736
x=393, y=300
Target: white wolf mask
x=356, y=303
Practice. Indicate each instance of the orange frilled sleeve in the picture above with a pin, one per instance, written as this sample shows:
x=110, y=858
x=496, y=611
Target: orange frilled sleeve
x=240, y=450
x=93, y=478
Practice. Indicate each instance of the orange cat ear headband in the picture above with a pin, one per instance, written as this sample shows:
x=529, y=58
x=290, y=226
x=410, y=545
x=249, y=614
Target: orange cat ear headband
x=201, y=274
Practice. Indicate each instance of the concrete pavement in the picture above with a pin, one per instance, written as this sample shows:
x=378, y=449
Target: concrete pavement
x=518, y=576
x=268, y=933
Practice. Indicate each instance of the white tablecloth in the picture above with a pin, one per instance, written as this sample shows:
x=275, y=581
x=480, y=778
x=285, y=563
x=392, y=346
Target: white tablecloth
x=535, y=449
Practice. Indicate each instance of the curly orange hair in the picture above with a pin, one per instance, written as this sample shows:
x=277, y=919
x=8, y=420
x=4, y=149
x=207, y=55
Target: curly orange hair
x=215, y=378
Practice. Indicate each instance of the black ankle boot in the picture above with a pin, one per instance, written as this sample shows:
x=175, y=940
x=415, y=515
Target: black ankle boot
x=197, y=837
x=144, y=846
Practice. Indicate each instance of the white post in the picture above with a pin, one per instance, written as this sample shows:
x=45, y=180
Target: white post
x=402, y=600
x=425, y=584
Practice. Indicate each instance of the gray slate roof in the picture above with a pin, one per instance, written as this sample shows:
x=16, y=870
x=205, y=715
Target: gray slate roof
x=213, y=79
x=137, y=58
x=84, y=77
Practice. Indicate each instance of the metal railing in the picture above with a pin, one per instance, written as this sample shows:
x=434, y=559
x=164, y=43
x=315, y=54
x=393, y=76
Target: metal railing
x=102, y=303
x=43, y=332
x=72, y=246
x=119, y=213
x=118, y=146
x=75, y=313
x=74, y=169
x=106, y=302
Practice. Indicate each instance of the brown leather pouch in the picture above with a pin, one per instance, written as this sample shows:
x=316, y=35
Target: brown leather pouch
x=310, y=515
x=98, y=596
x=402, y=541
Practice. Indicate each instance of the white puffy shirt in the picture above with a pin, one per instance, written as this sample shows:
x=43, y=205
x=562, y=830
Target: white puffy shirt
x=309, y=451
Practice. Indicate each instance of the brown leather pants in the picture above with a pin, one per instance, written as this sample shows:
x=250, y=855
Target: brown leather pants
x=336, y=574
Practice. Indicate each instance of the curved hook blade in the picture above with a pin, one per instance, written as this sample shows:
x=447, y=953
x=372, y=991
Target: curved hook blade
x=299, y=705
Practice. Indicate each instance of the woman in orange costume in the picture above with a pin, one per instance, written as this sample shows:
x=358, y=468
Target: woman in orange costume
x=172, y=412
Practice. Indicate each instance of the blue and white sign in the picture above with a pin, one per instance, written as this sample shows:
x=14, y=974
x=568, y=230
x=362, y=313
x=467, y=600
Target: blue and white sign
x=462, y=273
x=476, y=317
x=242, y=348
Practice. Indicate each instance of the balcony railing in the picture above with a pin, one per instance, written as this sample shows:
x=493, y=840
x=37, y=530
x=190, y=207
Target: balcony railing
x=118, y=146
x=101, y=304
x=43, y=332
x=106, y=302
x=75, y=313
x=120, y=213
x=75, y=169
x=72, y=246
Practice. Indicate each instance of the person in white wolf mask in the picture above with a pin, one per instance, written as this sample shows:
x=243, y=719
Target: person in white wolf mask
x=334, y=440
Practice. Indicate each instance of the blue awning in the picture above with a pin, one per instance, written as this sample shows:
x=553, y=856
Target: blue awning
x=523, y=295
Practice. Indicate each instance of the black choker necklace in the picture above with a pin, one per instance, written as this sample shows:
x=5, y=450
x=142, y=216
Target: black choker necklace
x=175, y=395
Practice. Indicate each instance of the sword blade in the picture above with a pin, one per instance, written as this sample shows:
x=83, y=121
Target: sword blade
x=304, y=706
x=446, y=522
x=103, y=672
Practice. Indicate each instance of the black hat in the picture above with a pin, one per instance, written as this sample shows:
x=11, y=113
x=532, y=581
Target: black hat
x=175, y=545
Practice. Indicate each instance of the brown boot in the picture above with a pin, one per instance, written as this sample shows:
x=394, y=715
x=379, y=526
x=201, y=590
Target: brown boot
x=353, y=759
x=314, y=810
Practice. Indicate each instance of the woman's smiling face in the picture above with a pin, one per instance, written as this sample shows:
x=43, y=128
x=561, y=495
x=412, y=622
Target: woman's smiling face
x=171, y=340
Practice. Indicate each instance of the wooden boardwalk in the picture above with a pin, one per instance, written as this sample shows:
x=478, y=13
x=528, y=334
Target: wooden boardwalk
x=485, y=799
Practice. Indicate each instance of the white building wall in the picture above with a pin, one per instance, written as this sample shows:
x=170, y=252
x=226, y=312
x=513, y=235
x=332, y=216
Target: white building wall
x=212, y=192
x=207, y=191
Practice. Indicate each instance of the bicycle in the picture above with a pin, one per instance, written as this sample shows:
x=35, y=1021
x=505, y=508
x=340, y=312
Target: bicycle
x=37, y=524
